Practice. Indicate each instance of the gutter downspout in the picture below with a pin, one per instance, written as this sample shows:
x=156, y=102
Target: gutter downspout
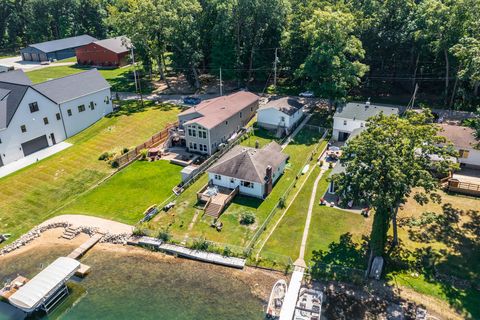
x=63, y=122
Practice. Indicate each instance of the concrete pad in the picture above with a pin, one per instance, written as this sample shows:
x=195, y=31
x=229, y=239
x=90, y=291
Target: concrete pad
x=33, y=158
x=18, y=63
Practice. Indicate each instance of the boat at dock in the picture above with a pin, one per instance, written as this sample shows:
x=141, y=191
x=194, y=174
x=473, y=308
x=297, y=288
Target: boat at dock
x=309, y=304
x=276, y=299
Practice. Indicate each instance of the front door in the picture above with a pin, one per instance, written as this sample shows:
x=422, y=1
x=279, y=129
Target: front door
x=52, y=136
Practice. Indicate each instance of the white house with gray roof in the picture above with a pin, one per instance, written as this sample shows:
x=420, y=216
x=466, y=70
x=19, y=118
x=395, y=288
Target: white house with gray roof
x=254, y=171
x=354, y=116
x=283, y=113
x=36, y=116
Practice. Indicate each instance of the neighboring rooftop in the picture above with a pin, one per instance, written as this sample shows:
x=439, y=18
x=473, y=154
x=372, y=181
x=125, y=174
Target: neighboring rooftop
x=44, y=285
x=286, y=105
x=214, y=111
x=15, y=76
x=461, y=137
x=61, y=44
x=363, y=111
x=249, y=164
x=118, y=44
x=73, y=86
x=11, y=94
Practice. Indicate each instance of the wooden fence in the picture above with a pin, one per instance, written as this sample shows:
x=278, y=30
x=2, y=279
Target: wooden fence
x=467, y=188
x=154, y=140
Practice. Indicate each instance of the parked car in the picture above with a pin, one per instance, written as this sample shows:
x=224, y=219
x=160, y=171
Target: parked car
x=192, y=100
x=307, y=94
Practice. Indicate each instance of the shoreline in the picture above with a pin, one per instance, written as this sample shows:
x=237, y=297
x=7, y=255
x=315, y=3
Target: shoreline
x=260, y=281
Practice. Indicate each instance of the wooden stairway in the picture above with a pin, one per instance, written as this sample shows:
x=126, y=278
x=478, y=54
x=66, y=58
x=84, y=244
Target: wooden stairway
x=69, y=233
x=213, y=209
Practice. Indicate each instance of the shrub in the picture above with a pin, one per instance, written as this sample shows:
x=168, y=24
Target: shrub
x=125, y=150
x=200, y=244
x=227, y=252
x=138, y=231
x=104, y=156
x=247, y=218
x=281, y=202
x=115, y=164
x=164, y=235
x=143, y=154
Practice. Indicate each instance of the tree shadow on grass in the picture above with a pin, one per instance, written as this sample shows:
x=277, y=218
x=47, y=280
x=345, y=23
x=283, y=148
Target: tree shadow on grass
x=129, y=107
x=457, y=268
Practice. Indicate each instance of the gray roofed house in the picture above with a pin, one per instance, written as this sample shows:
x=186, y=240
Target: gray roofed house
x=118, y=44
x=355, y=115
x=254, y=171
x=72, y=86
x=286, y=105
x=55, y=49
x=16, y=76
x=281, y=115
x=13, y=86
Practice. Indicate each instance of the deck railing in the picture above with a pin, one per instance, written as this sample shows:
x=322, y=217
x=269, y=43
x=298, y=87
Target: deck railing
x=464, y=187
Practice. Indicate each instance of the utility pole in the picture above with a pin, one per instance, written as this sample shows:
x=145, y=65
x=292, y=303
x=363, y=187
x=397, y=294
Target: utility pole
x=221, y=83
x=275, y=69
x=138, y=89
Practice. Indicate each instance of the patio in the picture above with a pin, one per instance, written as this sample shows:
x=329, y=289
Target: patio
x=179, y=156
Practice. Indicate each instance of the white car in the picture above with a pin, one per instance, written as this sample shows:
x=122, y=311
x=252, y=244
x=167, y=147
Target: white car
x=307, y=94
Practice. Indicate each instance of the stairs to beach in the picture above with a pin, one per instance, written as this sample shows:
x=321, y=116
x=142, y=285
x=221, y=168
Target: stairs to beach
x=69, y=233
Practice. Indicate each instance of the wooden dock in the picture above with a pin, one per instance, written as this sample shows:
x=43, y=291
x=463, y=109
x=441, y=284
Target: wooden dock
x=80, y=251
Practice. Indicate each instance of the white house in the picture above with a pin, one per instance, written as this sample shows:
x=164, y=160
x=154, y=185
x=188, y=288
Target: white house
x=281, y=113
x=36, y=116
x=254, y=171
x=465, y=143
x=354, y=116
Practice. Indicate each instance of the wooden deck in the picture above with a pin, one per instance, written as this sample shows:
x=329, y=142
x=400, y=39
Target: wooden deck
x=80, y=251
x=467, y=188
x=12, y=287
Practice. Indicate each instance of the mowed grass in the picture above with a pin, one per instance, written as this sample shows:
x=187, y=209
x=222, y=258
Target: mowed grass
x=30, y=196
x=121, y=79
x=127, y=194
x=260, y=136
x=187, y=218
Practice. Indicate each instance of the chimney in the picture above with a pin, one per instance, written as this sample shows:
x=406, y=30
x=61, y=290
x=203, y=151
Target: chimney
x=268, y=181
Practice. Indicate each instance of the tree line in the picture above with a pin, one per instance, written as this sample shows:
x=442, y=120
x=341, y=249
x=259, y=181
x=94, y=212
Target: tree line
x=336, y=48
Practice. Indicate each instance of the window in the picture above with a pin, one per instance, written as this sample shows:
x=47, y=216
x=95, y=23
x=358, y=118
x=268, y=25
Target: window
x=33, y=107
x=194, y=146
x=45, y=120
x=92, y=105
x=202, y=134
x=107, y=100
x=81, y=108
x=194, y=133
x=201, y=147
x=58, y=116
x=464, y=153
x=218, y=177
x=232, y=180
x=361, y=124
x=23, y=128
x=282, y=119
x=246, y=184
x=204, y=147
x=189, y=132
x=190, y=145
x=240, y=114
x=344, y=122
x=0, y=140
x=226, y=122
x=69, y=112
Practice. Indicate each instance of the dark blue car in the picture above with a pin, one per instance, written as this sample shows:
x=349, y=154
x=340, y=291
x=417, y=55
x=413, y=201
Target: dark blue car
x=192, y=100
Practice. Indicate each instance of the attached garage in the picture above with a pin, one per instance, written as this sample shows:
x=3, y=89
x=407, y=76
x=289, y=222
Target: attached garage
x=34, y=145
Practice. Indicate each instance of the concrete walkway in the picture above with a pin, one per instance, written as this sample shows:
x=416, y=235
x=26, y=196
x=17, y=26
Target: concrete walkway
x=33, y=158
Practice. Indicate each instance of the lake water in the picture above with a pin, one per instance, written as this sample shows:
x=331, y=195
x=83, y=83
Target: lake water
x=125, y=285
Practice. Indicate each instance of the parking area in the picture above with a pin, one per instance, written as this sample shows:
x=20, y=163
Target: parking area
x=19, y=64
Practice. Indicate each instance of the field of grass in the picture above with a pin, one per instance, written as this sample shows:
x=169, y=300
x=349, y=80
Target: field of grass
x=187, y=219
x=128, y=193
x=121, y=79
x=29, y=196
x=260, y=135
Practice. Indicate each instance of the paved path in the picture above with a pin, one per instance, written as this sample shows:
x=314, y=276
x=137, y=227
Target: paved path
x=31, y=159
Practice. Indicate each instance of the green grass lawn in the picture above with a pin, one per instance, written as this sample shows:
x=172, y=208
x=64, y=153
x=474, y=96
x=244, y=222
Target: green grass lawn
x=29, y=196
x=121, y=79
x=180, y=220
x=260, y=135
x=128, y=193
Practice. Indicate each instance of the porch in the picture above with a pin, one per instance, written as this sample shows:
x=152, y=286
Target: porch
x=216, y=198
x=466, y=181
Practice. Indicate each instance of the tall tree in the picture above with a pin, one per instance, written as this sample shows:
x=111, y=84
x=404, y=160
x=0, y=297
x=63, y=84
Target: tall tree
x=386, y=162
x=333, y=65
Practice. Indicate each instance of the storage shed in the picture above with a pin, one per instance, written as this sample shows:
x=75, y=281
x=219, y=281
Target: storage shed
x=55, y=49
x=111, y=52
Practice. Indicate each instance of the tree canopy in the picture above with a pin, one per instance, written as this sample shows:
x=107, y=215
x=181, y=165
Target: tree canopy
x=387, y=161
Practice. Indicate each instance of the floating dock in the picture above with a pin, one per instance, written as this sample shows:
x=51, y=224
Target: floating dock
x=180, y=251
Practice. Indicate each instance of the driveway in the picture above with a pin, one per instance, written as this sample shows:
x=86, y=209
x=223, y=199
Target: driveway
x=18, y=63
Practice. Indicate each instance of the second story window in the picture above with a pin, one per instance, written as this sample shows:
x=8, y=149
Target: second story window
x=92, y=105
x=58, y=116
x=23, y=128
x=69, y=112
x=33, y=107
x=344, y=122
x=45, y=120
x=81, y=108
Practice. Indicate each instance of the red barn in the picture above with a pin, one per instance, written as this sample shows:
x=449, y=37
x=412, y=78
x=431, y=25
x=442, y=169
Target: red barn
x=111, y=52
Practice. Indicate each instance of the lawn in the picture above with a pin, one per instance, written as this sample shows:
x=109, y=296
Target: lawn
x=121, y=79
x=128, y=193
x=326, y=226
x=31, y=195
x=260, y=135
x=187, y=219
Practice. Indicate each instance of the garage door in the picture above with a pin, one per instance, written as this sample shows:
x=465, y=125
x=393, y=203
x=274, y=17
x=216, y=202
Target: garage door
x=34, y=145
x=27, y=56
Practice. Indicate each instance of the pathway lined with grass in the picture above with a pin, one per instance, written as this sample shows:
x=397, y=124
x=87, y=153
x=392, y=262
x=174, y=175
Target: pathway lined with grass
x=30, y=196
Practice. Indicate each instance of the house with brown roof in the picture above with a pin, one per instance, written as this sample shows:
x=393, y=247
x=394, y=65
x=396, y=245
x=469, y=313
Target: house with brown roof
x=253, y=171
x=212, y=122
x=463, y=138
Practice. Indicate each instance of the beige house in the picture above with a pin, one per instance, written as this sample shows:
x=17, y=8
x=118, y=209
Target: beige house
x=215, y=121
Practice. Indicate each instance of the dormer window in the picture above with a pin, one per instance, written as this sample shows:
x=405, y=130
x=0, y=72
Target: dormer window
x=33, y=107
